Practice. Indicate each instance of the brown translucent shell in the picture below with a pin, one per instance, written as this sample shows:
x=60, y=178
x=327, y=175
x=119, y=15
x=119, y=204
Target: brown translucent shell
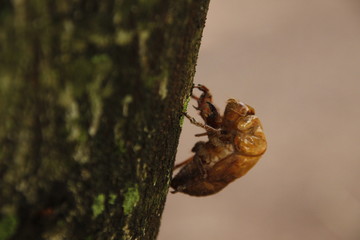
x=236, y=142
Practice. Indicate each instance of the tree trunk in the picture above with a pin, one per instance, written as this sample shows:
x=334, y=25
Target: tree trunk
x=91, y=95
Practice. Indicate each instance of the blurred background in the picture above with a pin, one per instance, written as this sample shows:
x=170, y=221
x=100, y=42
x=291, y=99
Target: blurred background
x=298, y=64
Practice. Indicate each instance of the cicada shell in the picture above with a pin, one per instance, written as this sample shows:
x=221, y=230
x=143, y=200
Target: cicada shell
x=236, y=142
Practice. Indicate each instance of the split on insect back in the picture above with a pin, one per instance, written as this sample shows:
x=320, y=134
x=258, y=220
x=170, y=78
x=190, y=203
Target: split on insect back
x=236, y=142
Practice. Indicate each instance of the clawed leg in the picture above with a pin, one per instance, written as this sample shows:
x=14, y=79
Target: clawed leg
x=200, y=166
x=201, y=134
x=183, y=163
x=208, y=111
x=197, y=159
x=209, y=129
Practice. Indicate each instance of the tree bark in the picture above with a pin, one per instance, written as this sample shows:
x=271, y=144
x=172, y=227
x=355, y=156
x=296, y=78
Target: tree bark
x=91, y=96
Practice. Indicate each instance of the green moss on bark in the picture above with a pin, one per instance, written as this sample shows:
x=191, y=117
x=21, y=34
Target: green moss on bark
x=131, y=198
x=98, y=205
x=8, y=225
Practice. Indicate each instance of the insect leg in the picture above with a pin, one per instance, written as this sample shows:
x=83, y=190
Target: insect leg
x=200, y=165
x=202, y=88
x=201, y=134
x=208, y=111
x=204, y=97
x=183, y=163
x=213, y=117
x=208, y=128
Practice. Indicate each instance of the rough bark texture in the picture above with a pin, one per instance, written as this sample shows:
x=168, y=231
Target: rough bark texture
x=91, y=95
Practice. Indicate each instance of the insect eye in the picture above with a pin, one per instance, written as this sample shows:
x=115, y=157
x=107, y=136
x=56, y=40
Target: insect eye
x=251, y=111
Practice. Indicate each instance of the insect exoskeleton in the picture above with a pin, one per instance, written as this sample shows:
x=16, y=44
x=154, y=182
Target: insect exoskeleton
x=236, y=142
